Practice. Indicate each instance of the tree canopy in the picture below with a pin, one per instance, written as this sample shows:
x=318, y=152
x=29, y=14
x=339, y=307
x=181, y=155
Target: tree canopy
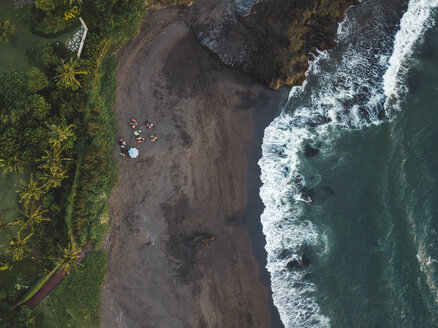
x=67, y=75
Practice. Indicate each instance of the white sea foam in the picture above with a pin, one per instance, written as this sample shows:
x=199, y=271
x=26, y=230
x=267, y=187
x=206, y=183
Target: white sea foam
x=417, y=19
x=350, y=92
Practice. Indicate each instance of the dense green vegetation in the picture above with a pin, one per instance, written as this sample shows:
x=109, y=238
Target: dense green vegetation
x=74, y=302
x=6, y=30
x=98, y=173
x=57, y=135
x=13, y=54
x=165, y=3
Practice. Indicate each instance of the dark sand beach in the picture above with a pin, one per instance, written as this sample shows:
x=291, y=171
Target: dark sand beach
x=178, y=251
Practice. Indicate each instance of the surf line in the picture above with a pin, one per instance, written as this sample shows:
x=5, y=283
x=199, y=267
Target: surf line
x=414, y=23
x=313, y=120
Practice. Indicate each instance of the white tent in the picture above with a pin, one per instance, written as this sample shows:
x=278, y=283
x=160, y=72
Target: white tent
x=133, y=152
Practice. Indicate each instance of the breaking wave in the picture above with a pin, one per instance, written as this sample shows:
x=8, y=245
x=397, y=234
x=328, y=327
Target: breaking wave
x=360, y=83
x=414, y=23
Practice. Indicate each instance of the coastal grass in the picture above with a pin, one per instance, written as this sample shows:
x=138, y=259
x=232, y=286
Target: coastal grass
x=98, y=173
x=166, y=3
x=36, y=287
x=75, y=301
x=14, y=283
x=81, y=148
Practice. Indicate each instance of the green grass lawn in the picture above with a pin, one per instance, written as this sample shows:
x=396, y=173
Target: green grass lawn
x=13, y=54
x=75, y=301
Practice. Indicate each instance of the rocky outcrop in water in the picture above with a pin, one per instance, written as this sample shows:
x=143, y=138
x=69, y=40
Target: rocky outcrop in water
x=275, y=40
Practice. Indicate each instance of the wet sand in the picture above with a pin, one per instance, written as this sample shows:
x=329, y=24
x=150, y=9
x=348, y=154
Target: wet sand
x=178, y=251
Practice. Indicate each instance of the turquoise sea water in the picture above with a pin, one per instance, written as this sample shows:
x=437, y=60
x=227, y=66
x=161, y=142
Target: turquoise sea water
x=350, y=173
x=381, y=221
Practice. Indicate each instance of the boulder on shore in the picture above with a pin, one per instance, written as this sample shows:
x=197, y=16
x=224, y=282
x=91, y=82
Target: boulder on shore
x=275, y=40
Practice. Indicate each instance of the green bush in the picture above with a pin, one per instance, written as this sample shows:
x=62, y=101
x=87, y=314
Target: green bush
x=25, y=318
x=44, y=56
x=6, y=30
x=45, y=5
x=51, y=22
x=22, y=318
x=36, y=80
x=39, y=106
x=12, y=84
x=22, y=123
x=50, y=25
x=118, y=19
x=99, y=170
x=76, y=299
x=161, y=3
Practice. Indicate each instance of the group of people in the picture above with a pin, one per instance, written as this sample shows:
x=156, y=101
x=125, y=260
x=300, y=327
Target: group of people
x=133, y=123
x=124, y=149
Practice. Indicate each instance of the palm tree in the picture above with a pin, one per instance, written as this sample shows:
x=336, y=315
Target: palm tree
x=6, y=29
x=5, y=265
x=70, y=2
x=52, y=159
x=4, y=224
x=30, y=190
x=12, y=164
x=69, y=258
x=30, y=217
x=67, y=72
x=53, y=178
x=17, y=247
x=59, y=135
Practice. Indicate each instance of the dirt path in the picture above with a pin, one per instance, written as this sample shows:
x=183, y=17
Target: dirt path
x=178, y=255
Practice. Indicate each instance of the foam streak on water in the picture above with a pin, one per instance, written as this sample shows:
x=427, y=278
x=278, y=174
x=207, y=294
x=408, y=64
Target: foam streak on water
x=414, y=23
x=342, y=92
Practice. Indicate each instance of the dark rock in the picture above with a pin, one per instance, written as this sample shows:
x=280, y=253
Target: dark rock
x=275, y=40
x=328, y=190
x=309, y=151
x=319, y=120
x=305, y=260
x=307, y=193
x=294, y=264
x=285, y=253
x=298, y=180
x=300, y=263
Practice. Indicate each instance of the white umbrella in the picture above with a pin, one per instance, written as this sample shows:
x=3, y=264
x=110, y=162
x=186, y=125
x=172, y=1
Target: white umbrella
x=133, y=152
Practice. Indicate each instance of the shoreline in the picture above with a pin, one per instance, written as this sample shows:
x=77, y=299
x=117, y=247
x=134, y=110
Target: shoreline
x=254, y=204
x=185, y=255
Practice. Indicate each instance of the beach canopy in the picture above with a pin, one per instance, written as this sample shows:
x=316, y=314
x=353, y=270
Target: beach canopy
x=133, y=152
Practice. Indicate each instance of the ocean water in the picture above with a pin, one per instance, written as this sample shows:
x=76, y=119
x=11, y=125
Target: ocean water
x=349, y=174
